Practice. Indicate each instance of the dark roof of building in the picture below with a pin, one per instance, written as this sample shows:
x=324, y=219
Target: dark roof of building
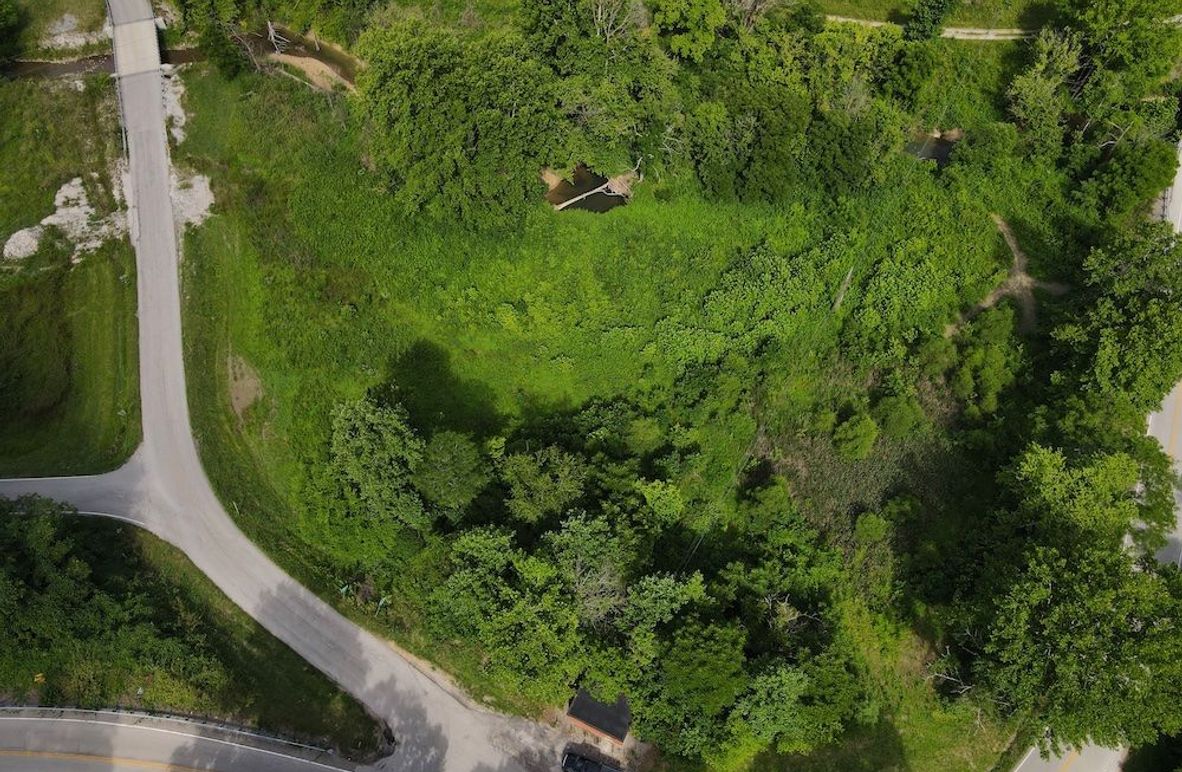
x=611, y=720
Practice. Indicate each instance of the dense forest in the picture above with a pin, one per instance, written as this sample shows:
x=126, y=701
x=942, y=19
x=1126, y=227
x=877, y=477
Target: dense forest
x=746, y=483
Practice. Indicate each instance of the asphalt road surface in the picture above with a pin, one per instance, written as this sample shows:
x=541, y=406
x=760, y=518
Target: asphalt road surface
x=163, y=488
x=89, y=741
x=1090, y=759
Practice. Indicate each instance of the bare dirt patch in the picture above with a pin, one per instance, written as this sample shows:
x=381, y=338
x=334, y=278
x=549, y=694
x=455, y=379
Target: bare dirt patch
x=317, y=72
x=245, y=386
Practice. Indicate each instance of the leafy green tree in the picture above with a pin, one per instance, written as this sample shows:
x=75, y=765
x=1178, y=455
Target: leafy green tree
x=1122, y=188
x=913, y=67
x=513, y=605
x=591, y=559
x=1127, y=40
x=460, y=125
x=373, y=454
x=690, y=25
x=653, y=601
x=1087, y=645
x=926, y=18
x=698, y=677
x=1094, y=502
x=899, y=416
x=543, y=483
x=1039, y=99
x=452, y=471
x=989, y=360
x=1126, y=341
x=854, y=438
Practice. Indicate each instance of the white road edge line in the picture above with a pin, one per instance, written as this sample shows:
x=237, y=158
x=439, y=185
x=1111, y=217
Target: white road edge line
x=176, y=733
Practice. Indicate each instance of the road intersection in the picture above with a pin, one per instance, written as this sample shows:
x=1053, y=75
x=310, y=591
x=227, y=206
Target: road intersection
x=164, y=489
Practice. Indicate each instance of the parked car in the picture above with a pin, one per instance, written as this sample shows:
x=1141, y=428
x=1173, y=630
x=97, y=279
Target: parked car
x=577, y=762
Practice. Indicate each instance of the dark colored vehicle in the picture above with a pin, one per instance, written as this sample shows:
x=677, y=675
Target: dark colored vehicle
x=576, y=762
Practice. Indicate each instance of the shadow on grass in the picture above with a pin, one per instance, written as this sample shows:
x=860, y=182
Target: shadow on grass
x=863, y=749
x=423, y=380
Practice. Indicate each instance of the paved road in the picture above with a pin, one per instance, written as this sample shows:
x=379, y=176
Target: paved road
x=1090, y=759
x=163, y=488
x=90, y=741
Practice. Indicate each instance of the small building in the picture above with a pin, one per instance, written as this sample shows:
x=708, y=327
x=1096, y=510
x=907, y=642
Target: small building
x=610, y=722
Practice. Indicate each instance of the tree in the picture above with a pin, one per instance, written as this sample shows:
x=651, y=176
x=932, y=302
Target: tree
x=544, y=483
x=698, y=677
x=513, y=605
x=452, y=471
x=1088, y=646
x=591, y=560
x=1131, y=40
x=374, y=453
x=926, y=18
x=460, y=125
x=912, y=69
x=690, y=25
x=1122, y=187
x=854, y=438
x=1126, y=341
x=1039, y=98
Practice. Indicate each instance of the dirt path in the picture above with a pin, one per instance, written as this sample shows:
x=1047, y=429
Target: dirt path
x=955, y=33
x=1019, y=285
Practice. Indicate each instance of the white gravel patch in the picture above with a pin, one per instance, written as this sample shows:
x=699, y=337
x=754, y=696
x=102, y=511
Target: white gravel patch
x=64, y=33
x=75, y=218
x=174, y=114
x=192, y=198
x=24, y=243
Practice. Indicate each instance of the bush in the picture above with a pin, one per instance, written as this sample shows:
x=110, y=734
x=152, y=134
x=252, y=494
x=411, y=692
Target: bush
x=452, y=471
x=222, y=51
x=855, y=437
x=926, y=19
x=899, y=417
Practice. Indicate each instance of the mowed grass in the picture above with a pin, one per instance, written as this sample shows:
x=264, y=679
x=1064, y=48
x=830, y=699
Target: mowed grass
x=69, y=396
x=1023, y=14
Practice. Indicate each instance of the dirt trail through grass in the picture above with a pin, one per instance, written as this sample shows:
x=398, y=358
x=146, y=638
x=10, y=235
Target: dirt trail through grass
x=1019, y=285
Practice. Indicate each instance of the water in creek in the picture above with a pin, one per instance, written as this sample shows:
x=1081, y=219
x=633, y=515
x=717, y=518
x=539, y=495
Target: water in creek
x=584, y=180
x=341, y=63
x=929, y=148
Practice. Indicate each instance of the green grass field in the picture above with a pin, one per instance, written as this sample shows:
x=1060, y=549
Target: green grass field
x=69, y=393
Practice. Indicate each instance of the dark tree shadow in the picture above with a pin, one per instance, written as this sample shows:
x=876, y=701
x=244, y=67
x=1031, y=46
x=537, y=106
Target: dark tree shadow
x=422, y=379
x=875, y=748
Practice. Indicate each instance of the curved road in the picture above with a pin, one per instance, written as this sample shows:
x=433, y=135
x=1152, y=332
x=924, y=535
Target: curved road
x=97, y=741
x=163, y=488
